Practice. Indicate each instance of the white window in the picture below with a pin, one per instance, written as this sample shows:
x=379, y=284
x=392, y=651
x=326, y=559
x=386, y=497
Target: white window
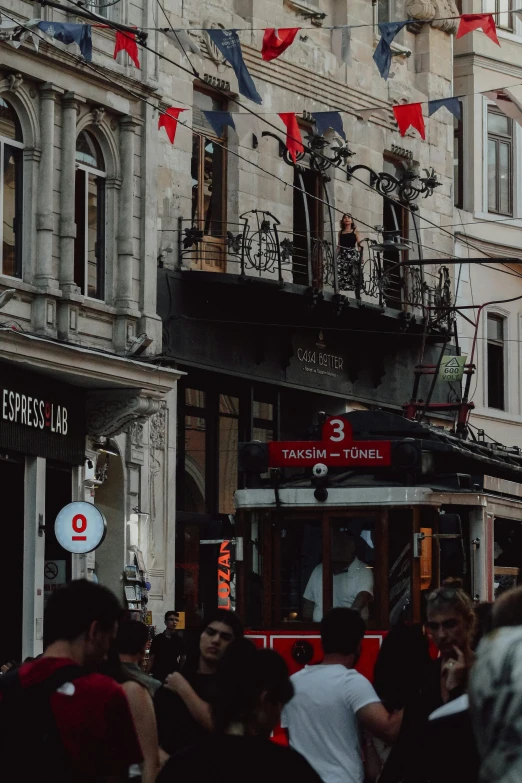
x=11, y=172
x=90, y=209
x=503, y=12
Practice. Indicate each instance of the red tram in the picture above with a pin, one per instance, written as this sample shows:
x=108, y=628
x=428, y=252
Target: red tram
x=376, y=510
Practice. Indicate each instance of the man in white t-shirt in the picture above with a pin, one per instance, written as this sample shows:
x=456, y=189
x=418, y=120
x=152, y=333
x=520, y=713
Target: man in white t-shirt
x=331, y=701
x=352, y=580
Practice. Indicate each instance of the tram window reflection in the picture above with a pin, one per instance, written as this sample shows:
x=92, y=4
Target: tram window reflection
x=300, y=553
x=507, y=554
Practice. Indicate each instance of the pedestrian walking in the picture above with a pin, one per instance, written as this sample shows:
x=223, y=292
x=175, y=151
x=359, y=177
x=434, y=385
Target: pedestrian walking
x=60, y=721
x=446, y=740
x=496, y=693
x=131, y=644
x=251, y=688
x=183, y=704
x=138, y=695
x=167, y=649
x=332, y=700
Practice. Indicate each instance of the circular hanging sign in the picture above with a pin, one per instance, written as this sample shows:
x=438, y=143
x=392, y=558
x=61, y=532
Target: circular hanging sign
x=80, y=527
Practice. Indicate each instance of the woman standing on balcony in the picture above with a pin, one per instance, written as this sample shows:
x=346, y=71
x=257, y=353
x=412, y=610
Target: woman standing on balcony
x=349, y=255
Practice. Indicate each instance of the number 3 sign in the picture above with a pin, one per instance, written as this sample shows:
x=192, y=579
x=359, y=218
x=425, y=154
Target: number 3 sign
x=80, y=527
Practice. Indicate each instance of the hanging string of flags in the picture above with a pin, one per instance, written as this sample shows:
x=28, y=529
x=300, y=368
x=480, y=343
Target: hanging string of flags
x=275, y=42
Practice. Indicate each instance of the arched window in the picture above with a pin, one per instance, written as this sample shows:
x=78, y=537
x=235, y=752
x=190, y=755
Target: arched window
x=89, y=245
x=11, y=162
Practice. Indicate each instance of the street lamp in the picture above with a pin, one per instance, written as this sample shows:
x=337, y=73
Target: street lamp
x=6, y=296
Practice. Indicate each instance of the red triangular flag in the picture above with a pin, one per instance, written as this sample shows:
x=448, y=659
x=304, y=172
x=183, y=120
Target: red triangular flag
x=293, y=134
x=484, y=22
x=126, y=42
x=410, y=114
x=276, y=41
x=169, y=121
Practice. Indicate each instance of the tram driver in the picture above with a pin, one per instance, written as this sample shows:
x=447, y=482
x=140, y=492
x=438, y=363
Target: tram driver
x=352, y=579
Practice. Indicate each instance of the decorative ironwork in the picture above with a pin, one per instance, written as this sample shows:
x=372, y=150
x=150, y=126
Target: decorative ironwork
x=322, y=156
x=257, y=248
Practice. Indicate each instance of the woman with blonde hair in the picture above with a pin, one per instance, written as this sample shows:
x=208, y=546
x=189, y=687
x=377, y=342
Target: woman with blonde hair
x=429, y=749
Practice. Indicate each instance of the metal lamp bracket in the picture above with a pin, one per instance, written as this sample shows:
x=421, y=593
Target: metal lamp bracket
x=418, y=538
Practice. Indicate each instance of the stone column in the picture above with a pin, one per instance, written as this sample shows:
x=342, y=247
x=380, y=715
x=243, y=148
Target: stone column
x=124, y=295
x=43, y=273
x=67, y=182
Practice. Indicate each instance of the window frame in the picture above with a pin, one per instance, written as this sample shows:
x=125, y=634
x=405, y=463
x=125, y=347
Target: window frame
x=493, y=7
x=499, y=317
x=498, y=139
x=203, y=135
x=458, y=181
x=101, y=221
x=19, y=201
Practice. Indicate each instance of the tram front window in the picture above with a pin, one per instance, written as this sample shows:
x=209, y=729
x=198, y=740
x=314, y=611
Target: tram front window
x=322, y=563
x=352, y=578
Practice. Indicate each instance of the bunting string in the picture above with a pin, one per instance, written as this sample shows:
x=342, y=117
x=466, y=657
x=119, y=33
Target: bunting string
x=431, y=224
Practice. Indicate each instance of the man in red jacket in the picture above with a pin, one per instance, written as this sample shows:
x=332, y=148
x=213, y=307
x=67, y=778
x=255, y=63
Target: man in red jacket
x=59, y=719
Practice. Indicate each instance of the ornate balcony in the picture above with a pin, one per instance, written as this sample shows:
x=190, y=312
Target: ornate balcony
x=258, y=248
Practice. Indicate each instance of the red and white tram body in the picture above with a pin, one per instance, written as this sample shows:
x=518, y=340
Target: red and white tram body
x=418, y=504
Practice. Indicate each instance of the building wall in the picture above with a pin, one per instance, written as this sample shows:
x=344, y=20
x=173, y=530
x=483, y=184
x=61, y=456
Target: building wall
x=481, y=232
x=56, y=95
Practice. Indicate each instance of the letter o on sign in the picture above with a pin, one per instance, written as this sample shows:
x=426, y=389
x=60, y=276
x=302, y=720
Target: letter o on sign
x=80, y=527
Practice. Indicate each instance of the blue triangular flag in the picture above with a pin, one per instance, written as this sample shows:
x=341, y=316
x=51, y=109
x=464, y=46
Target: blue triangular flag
x=218, y=120
x=227, y=41
x=70, y=33
x=328, y=119
x=382, y=54
x=451, y=104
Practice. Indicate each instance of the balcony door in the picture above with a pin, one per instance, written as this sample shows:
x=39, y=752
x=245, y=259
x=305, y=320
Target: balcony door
x=308, y=223
x=209, y=185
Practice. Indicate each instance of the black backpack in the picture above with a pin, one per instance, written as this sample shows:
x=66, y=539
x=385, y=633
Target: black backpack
x=30, y=744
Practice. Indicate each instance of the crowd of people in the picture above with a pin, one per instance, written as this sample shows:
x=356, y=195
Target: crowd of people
x=86, y=710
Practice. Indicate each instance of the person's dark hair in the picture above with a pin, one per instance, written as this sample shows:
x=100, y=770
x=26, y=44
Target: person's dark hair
x=347, y=214
x=167, y=614
x=342, y=630
x=132, y=637
x=507, y=609
x=401, y=665
x=484, y=622
x=451, y=596
x=192, y=640
x=243, y=675
x=72, y=609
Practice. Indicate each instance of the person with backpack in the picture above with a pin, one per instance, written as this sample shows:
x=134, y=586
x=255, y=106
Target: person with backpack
x=61, y=721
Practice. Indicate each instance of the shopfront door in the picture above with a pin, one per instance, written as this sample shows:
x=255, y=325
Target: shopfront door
x=12, y=547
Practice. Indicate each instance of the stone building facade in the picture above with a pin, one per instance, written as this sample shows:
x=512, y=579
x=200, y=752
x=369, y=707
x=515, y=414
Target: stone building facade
x=79, y=256
x=252, y=310
x=105, y=199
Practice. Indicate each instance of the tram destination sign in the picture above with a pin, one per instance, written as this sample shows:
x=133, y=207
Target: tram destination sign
x=337, y=448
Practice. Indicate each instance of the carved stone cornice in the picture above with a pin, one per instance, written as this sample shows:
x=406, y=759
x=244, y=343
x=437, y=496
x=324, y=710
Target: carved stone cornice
x=12, y=82
x=109, y=412
x=438, y=10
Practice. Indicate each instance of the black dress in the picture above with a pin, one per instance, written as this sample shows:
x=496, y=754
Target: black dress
x=348, y=263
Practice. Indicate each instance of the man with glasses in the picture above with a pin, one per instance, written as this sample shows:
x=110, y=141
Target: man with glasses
x=167, y=650
x=182, y=706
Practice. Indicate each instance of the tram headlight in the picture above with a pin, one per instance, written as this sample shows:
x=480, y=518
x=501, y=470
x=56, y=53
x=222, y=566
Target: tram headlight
x=407, y=454
x=320, y=470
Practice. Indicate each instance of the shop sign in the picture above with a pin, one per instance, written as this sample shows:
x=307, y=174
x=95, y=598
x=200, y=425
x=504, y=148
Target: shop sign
x=41, y=417
x=335, y=449
x=80, y=527
x=54, y=576
x=223, y=578
x=314, y=357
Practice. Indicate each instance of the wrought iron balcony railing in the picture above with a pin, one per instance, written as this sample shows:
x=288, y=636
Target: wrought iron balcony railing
x=258, y=247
